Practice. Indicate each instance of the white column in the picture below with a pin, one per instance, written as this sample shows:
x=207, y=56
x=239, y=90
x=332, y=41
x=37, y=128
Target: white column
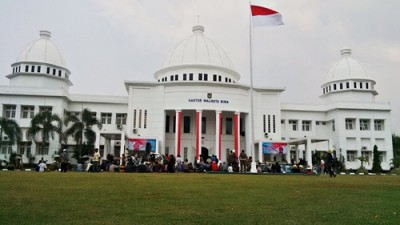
x=198, y=133
x=218, y=127
x=308, y=152
x=97, y=143
x=122, y=145
x=236, y=133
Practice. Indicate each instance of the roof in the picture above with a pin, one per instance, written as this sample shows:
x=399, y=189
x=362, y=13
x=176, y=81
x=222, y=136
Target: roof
x=346, y=68
x=42, y=50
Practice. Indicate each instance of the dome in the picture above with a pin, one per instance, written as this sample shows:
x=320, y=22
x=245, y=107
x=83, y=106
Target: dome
x=346, y=68
x=42, y=50
x=198, y=50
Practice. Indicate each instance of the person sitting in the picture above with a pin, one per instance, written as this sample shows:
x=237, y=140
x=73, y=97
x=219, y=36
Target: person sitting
x=42, y=166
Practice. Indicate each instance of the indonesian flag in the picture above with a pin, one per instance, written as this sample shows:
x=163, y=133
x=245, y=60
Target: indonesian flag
x=265, y=17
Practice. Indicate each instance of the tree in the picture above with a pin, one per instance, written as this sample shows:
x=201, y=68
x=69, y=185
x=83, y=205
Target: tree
x=46, y=125
x=376, y=162
x=82, y=127
x=11, y=129
x=396, y=151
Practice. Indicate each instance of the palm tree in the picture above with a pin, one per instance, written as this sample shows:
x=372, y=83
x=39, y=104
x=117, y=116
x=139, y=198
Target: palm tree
x=10, y=128
x=45, y=124
x=82, y=127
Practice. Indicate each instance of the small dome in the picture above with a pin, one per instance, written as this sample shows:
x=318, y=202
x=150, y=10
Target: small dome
x=42, y=50
x=198, y=50
x=346, y=68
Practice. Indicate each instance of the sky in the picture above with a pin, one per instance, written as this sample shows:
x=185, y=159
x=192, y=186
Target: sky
x=107, y=42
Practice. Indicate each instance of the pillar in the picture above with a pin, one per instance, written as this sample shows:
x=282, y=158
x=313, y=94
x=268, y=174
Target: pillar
x=198, y=133
x=236, y=133
x=218, y=134
x=178, y=133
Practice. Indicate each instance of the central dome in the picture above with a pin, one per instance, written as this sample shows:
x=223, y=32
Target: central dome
x=198, y=50
x=42, y=50
x=346, y=68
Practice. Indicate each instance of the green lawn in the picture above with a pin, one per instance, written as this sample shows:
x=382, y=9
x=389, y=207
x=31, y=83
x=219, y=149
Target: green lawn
x=161, y=198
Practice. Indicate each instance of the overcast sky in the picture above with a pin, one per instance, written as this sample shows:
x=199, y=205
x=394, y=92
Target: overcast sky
x=106, y=42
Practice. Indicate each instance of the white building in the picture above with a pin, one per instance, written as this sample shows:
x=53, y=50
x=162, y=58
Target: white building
x=197, y=106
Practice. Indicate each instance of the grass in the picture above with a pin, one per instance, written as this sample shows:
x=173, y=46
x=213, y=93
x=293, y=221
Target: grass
x=161, y=198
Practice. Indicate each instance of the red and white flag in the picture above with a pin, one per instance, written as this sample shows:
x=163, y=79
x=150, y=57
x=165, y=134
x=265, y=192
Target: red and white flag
x=265, y=17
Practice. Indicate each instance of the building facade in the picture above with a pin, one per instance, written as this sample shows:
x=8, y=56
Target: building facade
x=197, y=106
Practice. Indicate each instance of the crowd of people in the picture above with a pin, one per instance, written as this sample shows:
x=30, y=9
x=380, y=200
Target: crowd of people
x=154, y=162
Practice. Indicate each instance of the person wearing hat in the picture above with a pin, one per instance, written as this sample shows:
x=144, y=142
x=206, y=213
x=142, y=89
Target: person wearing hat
x=64, y=161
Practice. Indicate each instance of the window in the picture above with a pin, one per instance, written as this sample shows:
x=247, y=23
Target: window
x=203, y=125
x=145, y=119
x=48, y=70
x=215, y=77
x=106, y=118
x=94, y=114
x=355, y=84
x=333, y=125
x=174, y=125
x=176, y=77
x=351, y=156
x=38, y=69
x=306, y=125
x=334, y=87
x=228, y=126
x=264, y=124
x=378, y=124
x=121, y=118
x=45, y=108
x=184, y=76
x=350, y=124
x=43, y=150
x=167, y=118
x=59, y=73
x=273, y=124
x=364, y=124
x=24, y=147
x=347, y=85
x=341, y=86
x=361, y=85
x=190, y=76
x=27, y=111
x=33, y=69
x=269, y=123
x=367, y=85
x=206, y=77
x=200, y=76
x=140, y=118
x=26, y=68
x=171, y=78
x=366, y=156
x=219, y=78
x=6, y=148
x=186, y=124
x=54, y=71
x=9, y=111
x=134, y=118
x=294, y=124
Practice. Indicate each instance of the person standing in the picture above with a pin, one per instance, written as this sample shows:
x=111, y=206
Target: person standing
x=329, y=164
x=64, y=161
x=322, y=166
x=243, y=162
x=96, y=160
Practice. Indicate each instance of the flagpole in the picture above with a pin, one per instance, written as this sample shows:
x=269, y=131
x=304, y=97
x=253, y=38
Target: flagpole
x=253, y=152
